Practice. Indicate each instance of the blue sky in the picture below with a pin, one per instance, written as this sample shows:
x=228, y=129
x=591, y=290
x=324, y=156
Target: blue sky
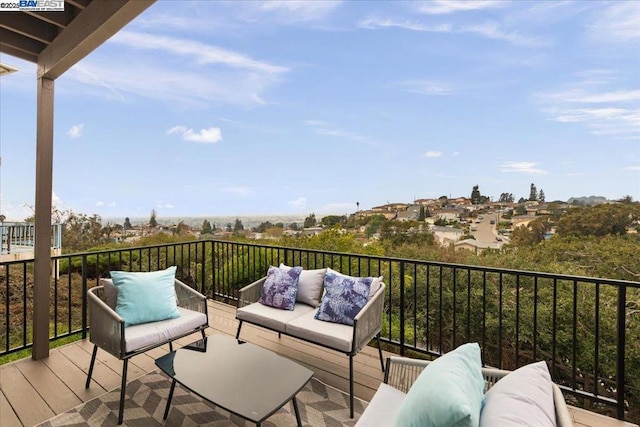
x=232, y=108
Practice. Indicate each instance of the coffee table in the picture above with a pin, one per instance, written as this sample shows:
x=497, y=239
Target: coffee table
x=240, y=377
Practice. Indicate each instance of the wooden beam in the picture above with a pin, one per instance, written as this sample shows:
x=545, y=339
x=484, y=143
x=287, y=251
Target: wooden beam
x=31, y=57
x=61, y=19
x=80, y=4
x=25, y=25
x=20, y=42
x=93, y=26
x=42, y=245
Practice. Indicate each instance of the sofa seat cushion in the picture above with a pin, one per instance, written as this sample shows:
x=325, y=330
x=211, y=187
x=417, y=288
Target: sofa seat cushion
x=144, y=334
x=270, y=317
x=382, y=409
x=333, y=335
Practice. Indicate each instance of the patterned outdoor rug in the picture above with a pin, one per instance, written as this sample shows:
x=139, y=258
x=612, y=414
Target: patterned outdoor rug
x=319, y=404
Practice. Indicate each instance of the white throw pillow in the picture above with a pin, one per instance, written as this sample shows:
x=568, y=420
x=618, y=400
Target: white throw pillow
x=310, y=286
x=522, y=398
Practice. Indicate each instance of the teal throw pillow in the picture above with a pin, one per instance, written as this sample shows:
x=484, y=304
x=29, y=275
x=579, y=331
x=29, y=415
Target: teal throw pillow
x=146, y=296
x=449, y=392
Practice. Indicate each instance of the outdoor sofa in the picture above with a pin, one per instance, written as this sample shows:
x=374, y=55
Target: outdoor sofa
x=526, y=398
x=303, y=318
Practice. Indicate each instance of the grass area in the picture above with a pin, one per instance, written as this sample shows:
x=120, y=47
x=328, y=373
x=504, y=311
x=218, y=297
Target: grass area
x=23, y=354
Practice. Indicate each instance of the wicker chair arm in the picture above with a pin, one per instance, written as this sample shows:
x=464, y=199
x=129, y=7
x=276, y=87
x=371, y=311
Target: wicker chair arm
x=189, y=298
x=401, y=372
x=251, y=293
x=106, y=326
x=368, y=321
x=563, y=417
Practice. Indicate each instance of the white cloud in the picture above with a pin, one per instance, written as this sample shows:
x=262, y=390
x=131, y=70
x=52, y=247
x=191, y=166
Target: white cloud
x=76, y=130
x=314, y=123
x=576, y=174
x=433, y=154
x=209, y=136
x=237, y=190
x=493, y=31
x=427, y=87
x=597, y=101
x=299, y=203
x=489, y=30
x=373, y=23
x=99, y=203
x=112, y=204
x=56, y=200
x=633, y=168
x=175, y=70
x=195, y=51
x=441, y=7
x=287, y=11
x=322, y=128
x=521, y=167
x=616, y=24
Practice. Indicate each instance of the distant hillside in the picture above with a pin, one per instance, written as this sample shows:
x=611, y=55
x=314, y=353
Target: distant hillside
x=588, y=201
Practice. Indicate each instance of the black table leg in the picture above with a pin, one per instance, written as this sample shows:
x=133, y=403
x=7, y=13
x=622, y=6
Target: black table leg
x=295, y=408
x=166, y=409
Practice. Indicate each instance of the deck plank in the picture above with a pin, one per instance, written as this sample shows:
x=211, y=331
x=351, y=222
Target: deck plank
x=72, y=375
x=52, y=389
x=8, y=417
x=30, y=407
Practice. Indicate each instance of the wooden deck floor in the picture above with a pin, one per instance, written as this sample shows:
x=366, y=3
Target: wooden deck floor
x=34, y=391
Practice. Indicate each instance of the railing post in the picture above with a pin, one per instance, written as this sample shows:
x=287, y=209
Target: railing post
x=85, y=301
x=622, y=328
x=402, y=308
x=286, y=256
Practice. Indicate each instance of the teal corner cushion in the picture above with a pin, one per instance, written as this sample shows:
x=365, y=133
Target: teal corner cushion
x=449, y=392
x=145, y=296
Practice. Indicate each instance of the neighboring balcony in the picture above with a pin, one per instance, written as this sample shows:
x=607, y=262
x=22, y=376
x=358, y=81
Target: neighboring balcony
x=582, y=327
x=17, y=240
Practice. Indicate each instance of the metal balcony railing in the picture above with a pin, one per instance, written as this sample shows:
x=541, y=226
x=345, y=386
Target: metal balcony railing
x=18, y=237
x=582, y=326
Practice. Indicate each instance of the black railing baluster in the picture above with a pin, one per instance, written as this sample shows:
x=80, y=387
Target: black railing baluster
x=402, y=304
x=500, y=293
x=535, y=318
x=574, y=338
x=621, y=324
x=596, y=341
x=517, y=317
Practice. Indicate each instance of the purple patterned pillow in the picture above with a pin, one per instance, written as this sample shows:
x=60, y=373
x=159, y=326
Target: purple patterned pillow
x=344, y=298
x=280, y=288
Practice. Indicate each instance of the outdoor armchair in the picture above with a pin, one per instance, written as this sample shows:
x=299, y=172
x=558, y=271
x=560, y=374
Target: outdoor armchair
x=108, y=330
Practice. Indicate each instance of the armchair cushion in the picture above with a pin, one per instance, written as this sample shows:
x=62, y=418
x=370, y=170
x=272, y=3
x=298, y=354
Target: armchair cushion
x=309, y=286
x=145, y=296
x=344, y=297
x=146, y=334
x=281, y=287
x=522, y=398
x=449, y=392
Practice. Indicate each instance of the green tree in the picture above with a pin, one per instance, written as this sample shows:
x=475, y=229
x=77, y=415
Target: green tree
x=229, y=227
x=310, y=221
x=333, y=220
x=81, y=232
x=206, y=227
x=237, y=226
x=533, y=193
x=599, y=220
x=374, y=224
x=422, y=214
x=506, y=198
x=153, y=223
x=541, y=196
x=2, y=218
x=475, y=195
x=127, y=224
x=530, y=234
